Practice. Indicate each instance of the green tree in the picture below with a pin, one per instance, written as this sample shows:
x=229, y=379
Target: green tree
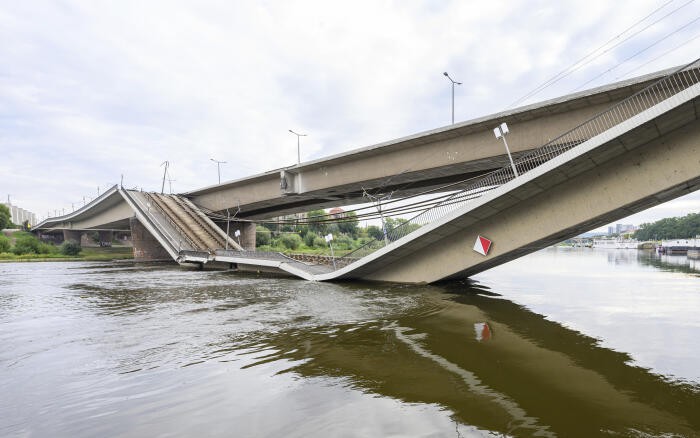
x=70, y=248
x=685, y=227
x=26, y=244
x=5, y=221
x=309, y=239
x=316, y=224
x=263, y=236
x=375, y=232
x=399, y=227
x=4, y=243
x=349, y=224
x=290, y=241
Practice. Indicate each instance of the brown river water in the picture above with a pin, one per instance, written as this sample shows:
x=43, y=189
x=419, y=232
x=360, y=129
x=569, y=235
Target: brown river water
x=563, y=342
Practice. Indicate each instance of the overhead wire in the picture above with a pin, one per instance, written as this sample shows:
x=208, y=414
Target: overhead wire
x=580, y=63
x=360, y=213
x=638, y=53
x=659, y=57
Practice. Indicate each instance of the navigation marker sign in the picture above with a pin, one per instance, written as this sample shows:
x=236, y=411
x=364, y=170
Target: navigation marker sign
x=482, y=245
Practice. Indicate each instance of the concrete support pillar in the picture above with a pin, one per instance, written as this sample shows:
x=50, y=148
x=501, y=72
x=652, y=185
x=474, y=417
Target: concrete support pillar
x=146, y=247
x=247, y=236
x=75, y=235
x=106, y=237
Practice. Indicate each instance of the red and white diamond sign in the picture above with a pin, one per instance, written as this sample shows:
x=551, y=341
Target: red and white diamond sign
x=482, y=245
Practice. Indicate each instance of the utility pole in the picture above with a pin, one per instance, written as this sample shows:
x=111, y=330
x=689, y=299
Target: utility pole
x=500, y=132
x=298, y=147
x=165, y=172
x=218, y=167
x=453, y=94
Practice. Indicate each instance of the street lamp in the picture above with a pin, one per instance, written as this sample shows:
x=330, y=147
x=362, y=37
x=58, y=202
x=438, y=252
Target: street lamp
x=218, y=167
x=500, y=132
x=298, y=150
x=453, y=94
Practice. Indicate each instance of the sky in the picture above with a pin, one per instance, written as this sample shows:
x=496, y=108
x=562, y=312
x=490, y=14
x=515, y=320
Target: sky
x=95, y=91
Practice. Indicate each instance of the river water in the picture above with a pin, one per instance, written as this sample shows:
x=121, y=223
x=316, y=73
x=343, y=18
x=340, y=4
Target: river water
x=564, y=342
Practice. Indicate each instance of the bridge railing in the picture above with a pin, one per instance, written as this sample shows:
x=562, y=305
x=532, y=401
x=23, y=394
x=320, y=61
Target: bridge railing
x=666, y=87
x=182, y=235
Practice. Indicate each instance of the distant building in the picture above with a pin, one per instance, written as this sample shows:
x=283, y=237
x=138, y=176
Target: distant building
x=337, y=212
x=19, y=215
x=624, y=228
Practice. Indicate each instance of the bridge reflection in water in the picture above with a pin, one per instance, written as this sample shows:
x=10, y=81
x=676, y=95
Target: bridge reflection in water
x=136, y=350
x=530, y=377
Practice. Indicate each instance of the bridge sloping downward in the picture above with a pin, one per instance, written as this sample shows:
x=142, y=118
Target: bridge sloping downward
x=639, y=153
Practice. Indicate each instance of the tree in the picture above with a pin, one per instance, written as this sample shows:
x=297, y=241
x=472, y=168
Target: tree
x=375, y=232
x=291, y=241
x=309, y=239
x=263, y=236
x=399, y=227
x=349, y=224
x=70, y=248
x=685, y=227
x=316, y=224
x=26, y=244
x=5, y=221
x=4, y=243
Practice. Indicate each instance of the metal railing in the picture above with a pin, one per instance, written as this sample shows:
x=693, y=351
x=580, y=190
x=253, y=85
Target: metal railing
x=666, y=87
x=136, y=203
x=181, y=233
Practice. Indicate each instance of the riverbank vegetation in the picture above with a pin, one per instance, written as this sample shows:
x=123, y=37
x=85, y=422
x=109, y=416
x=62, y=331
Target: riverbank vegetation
x=309, y=238
x=686, y=227
x=23, y=246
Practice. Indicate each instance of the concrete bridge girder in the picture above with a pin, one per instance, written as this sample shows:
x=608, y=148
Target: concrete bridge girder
x=422, y=161
x=644, y=174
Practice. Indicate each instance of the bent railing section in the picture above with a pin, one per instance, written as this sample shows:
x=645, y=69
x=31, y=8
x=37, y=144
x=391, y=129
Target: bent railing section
x=182, y=234
x=166, y=239
x=661, y=90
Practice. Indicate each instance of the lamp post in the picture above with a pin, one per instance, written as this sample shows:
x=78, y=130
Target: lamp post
x=453, y=94
x=298, y=149
x=218, y=167
x=500, y=132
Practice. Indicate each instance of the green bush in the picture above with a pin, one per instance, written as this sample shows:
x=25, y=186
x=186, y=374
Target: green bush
x=263, y=236
x=45, y=248
x=375, y=232
x=320, y=242
x=342, y=241
x=4, y=244
x=310, y=238
x=70, y=248
x=5, y=221
x=290, y=241
x=26, y=244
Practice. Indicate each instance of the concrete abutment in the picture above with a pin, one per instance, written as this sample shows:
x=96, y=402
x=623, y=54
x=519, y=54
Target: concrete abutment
x=146, y=247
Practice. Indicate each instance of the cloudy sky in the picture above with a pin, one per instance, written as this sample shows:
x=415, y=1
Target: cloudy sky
x=93, y=90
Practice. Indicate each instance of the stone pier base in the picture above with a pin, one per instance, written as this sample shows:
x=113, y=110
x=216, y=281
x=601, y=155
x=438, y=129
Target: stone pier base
x=75, y=235
x=247, y=229
x=146, y=247
x=106, y=238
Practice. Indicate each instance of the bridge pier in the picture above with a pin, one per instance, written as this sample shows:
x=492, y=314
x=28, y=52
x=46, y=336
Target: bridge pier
x=146, y=247
x=247, y=229
x=106, y=237
x=75, y=235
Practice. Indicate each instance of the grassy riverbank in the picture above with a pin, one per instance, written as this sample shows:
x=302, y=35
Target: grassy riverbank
x=86, y=254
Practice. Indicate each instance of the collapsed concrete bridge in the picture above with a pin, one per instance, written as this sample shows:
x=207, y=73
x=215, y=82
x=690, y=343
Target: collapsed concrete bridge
x=582, y=161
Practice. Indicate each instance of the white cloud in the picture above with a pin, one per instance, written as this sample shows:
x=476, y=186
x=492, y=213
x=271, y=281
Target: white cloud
x=93, y=90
